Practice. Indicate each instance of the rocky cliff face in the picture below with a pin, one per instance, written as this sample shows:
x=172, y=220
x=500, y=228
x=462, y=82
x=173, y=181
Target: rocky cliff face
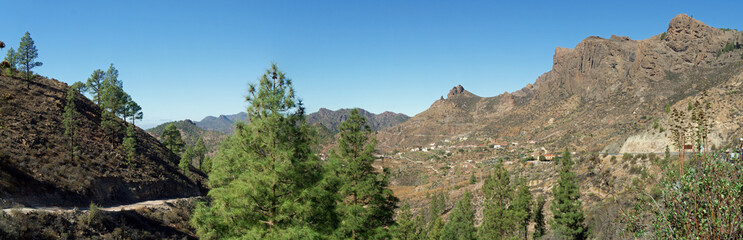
x=36, y=167
x=596, y=95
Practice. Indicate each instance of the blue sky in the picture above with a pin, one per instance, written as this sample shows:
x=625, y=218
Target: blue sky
x=190, y=59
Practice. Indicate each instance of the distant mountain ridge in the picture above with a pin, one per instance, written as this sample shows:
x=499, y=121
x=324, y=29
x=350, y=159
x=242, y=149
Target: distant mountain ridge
x=332, y=119
x=328, y=118
x=223, y=123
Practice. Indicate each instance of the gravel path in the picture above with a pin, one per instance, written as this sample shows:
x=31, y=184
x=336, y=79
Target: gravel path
x=133, y=206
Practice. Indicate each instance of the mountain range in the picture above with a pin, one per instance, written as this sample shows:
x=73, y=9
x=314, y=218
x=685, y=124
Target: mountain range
x=602, y=95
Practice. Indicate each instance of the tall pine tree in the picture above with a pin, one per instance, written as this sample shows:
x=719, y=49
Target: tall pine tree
x=264, y=177
x=498, y=221
x=130, y=144
x=70, y=118
x=94, y=86
x=522, y=207
x=539, y=224
x=406, y=228
x=366, y=206
x=27, y=55
x=568, y=217
x=461, y=225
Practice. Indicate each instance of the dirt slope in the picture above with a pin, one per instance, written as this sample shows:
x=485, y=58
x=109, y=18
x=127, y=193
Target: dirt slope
x=35, y=163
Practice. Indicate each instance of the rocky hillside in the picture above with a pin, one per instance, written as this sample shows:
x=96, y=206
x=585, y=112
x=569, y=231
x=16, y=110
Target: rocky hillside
x=36, y=167
x=599, y=94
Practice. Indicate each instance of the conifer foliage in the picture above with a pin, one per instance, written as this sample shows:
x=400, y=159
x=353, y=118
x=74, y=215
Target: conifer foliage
x=172, y=139
x=568, y=217
x=264, y=180
x=27, y=55
x=498, y=218
x=70, y=118
x=365, y=204
x=461, y=225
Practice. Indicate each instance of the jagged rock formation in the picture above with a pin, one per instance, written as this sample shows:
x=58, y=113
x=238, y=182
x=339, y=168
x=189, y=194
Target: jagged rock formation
x=597, y=94
x=36, y=168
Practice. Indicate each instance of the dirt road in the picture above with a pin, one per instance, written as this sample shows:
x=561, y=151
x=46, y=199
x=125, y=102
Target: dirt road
x=133, y=206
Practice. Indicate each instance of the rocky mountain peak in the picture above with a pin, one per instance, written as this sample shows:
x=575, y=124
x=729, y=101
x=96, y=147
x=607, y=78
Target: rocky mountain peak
x=457, y=91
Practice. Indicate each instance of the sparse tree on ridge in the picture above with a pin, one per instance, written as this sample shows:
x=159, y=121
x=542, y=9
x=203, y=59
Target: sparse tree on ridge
x=132, y=110
x=94, y=86
x=130, y=144
x=172, y=139
x=365, y=206
x=12, y=58
x=70, y=118
x=27, y=55
x=113, y=97
x=264, y=180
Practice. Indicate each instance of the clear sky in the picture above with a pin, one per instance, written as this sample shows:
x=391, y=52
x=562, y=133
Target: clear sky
x=190, y=59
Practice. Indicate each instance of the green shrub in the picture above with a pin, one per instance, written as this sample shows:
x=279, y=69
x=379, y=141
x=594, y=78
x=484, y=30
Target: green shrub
x=729, y=47
x=663, y=36
x=626, y=156
x=652, y=157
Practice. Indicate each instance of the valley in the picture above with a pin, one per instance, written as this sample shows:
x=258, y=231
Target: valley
x=591, y=146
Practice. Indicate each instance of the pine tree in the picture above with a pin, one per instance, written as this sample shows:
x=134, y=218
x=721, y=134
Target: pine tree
x=436, y=226
x=12, y=58
x=132, y=110
x=264, y=180
x=437, y=206
x=365, y=203
x=27, y=55
x=70, y=119
x=539, y=223
x=498, y=220
x=172, y=139
x=473, y=179
x=405, y=229
x=130, y=144
x=522, y=207
x=94, y=86
x=199, y=151
x=113, y=97
x=185, y=162
x=566, y=206
x=461, y=223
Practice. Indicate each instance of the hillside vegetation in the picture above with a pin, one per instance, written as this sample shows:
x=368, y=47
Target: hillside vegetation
x=37, y=168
